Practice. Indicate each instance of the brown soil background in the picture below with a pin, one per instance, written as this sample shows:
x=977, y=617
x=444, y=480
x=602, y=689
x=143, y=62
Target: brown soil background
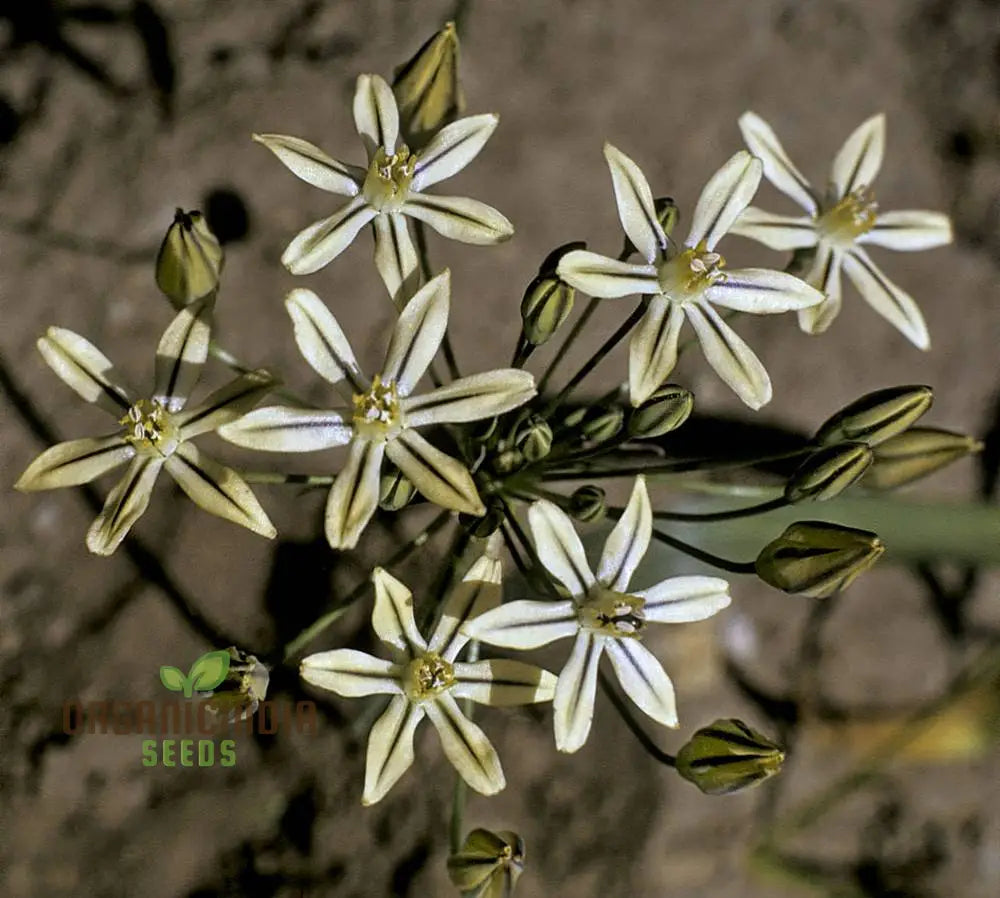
x=89, y=181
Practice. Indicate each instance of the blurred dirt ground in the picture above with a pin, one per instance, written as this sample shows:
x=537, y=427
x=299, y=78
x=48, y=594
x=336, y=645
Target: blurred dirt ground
x=113, y=115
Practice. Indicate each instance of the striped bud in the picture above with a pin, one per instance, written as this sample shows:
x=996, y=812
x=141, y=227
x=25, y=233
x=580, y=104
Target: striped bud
x=828, y=472
x=546, y=305
x=604, y=426
x=588, y=504
x=427, y=88
x=874, y=418
x=817, y=559
x=667, y=214
x=189, y=263
x=396, y=490
x=666, y=410
x=916, y=453
x=728, y=756
x=534, y=439
x=488, y=864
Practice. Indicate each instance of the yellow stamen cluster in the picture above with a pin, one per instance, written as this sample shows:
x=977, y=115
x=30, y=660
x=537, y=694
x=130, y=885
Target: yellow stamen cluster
x=613, y=613
x=387, y=184
x=686, y=275
x=427, y=676
x=376, y=413
x=854, y=215
x=149, y=428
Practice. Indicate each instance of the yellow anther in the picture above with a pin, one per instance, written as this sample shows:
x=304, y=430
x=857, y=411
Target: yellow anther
x=686, y=275
x=387, y=184
x=854, y=215
x=427, y=676
x=376, y=413
x=613, y=613
x=149, y=428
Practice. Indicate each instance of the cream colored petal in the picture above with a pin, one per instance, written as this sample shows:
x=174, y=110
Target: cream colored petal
x=278, y=428
x=390, y=747
x=731, y=358
x=441, y=479
x=525, y=624
x=351, y=673
x=312, y=165
x=321, y=340
x=860, y=158
x=124, y=505
x=395, y=257
x=502, y=683
x=635, y=204
x=479, y=591
x=471, y=398
x=573, y=702
x=85, y=369
x=909, y=230
x=75, y=462
x=418, y=334
x=781, y=232
x=628, y=541
x=452, y=148
x=218, y=489
x=466, y=746
x=778, y=168
x=725, y=196
x=324, y=240
x=376, y=115
x=354, y=495
x=226, y=404
x=459, y=218
x=892, y=303
x=392, y=617
x=559, y=548
x=608, y=278
x=824, y=275
x=681, y=600
x=643, y=679
x=182, y=352
x=761, y=291
x=652, y=352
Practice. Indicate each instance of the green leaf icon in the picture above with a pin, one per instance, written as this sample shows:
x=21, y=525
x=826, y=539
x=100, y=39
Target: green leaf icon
x=208, y=671
x=172, y=678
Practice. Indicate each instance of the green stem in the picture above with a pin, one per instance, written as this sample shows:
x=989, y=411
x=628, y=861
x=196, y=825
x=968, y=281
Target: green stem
x=277, y=477
x=425, y=271
x=725, y=564
x=625, y=712
x=727, y=515
x=681, y=466
x=536, y=562
x=229, y=360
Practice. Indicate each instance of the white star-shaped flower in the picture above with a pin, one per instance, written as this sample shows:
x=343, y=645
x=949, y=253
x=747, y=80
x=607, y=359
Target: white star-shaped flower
x=841, y=224
x=601, y=615
x=688, y=284
x=425, y=680
x=383, y=416
x=388, y=189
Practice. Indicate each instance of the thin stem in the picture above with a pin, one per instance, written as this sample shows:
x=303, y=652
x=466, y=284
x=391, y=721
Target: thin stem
x=522, y=352
x=680, y=466
x=425, y=271
x=727, y=515
x=231, y=361
x=578, y=326
x=725, y=564
x=277, y=477
x=536, y=562
x=625, y=712
x=514, y=552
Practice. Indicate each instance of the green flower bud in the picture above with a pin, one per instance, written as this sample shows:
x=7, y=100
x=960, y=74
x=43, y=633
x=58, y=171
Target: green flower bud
x=667, y=214
x=535, y=439
x=546, y=305
x=603, y=427
x=575, y=418
x=588, y=504
x=728, y=756
x=828, y=472
x=816, y=558
x=190, y=259
x=242, y=690
x=874, y=418
x=916, y=453
x=395, y=490
x=508, y=461
x=488, y=865
x=427, y=88
x=666, y=410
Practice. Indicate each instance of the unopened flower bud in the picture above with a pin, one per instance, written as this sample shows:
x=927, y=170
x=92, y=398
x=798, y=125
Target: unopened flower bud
x=396, y=490
x=588, y=504
x=667, y=214
x=242, y=690
x=546, y=305
x=816, y=558
x=829, y=471
x=666, y=410
x=508, y=461
x=916, y=453
x=535, y=439
x=604, y=426
x=728, y=756
x=190, y=259
x=488, y=864
x=874, y=418
x=427, y=88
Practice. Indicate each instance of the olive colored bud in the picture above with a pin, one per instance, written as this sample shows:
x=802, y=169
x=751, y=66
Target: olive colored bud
x=487, y=524
x=874, y=418
x=508, y=461
x=535, y=439
x=189, y=263
x=728, y=756
x=829, y=471
x=666, y=410
x=242, y=690
x=488, y=864
x=667, y=214
x=546, y=305
x=575, y=418
x=816, y=558
x=916, y=453
x=395, y=490
x=588, y=504
x=427, y=88
x=603, y=427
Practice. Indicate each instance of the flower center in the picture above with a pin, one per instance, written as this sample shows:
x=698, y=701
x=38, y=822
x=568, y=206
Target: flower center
x=612, y=613
x=387, y=184
x=376, y=413
x=149, y=428
x=853, y=216
x=427, y=676
x=686, y=275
